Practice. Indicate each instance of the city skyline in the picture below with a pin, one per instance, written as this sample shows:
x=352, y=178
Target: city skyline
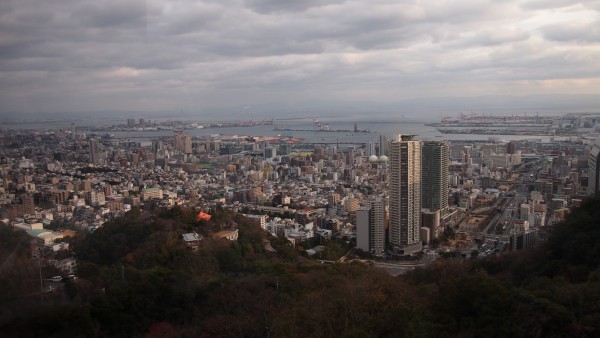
x=95, y=224
x=246, y=57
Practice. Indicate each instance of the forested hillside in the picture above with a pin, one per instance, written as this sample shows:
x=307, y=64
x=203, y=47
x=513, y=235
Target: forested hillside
x=137, y=278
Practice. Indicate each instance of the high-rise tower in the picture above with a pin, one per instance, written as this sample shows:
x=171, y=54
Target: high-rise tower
x=183, y=142
x=377, y=229
x=405, y=195
x=370, y=227
x=434, y=176
x=594, y=169
x=383, y=141
x=370, y=149
x=94, y=151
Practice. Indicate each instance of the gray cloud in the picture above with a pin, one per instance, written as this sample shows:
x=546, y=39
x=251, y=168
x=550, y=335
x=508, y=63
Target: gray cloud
x=576, y=32
x=106, y=14
x=549, y=4
x=274, y=6
x=168, y=55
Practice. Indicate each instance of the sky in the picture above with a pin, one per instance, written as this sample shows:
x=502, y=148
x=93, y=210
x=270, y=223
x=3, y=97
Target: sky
x=249, y=55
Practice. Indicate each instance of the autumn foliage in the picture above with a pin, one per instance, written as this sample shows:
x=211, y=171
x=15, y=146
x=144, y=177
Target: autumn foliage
x=139, y=279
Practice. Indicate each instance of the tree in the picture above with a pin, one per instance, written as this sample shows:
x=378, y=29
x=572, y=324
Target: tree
x=448, y=234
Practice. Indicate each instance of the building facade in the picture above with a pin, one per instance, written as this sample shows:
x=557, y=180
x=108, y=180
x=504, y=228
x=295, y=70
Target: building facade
x=594, y=170
x=363, y=240
x=377, y=226
x=183, y=142
x=434, y=176
x=370, y=227
x=270, y=152
x=383, y=148
x=371, y=149
x=94, y=151
x=405, y=195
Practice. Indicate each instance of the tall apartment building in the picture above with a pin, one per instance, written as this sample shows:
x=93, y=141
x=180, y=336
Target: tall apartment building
x=370, y=227
x=270, y=152
x=434, y=176
x=405, y=195
x=383, y=148
x=594, y=170
x=363, y=225
x=94, y=151
x=183, y=142
x=370, y=149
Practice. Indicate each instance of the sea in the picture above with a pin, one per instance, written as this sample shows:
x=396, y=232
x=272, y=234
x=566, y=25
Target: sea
x=343, y=131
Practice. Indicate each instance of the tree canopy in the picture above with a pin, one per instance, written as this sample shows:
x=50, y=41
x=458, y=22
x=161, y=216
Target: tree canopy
x=138, y=278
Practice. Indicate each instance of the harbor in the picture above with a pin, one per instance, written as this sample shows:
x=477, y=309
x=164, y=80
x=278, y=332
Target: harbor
x=323, y=128
x=514, y=124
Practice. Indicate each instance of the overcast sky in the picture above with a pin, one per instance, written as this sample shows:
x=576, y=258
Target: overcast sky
x=80, y=55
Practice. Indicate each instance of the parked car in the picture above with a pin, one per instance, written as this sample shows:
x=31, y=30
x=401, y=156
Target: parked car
x=57, y=278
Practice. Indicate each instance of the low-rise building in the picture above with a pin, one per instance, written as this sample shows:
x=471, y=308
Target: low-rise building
x=192, y=240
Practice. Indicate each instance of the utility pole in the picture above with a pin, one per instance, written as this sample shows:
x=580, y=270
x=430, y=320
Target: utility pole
x=123, y=274
x=41, y=280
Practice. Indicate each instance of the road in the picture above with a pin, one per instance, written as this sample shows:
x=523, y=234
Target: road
x=501, y=204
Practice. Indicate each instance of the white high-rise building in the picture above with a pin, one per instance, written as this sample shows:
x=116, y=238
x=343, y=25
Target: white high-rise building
x=370, y=149
x=405, y=195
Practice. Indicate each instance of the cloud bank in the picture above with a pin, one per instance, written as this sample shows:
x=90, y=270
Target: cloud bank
x=80, y=55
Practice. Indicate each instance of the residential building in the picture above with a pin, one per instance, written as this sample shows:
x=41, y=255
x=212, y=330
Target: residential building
x=94, y=151
x=594, y=170
x=183, y=142
x=270, y=152
x=370, y=149
x=192, y=240
x=434, y=176
x=152, y=193
x=383, y=145
x=370, y=227
x=405, y=195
